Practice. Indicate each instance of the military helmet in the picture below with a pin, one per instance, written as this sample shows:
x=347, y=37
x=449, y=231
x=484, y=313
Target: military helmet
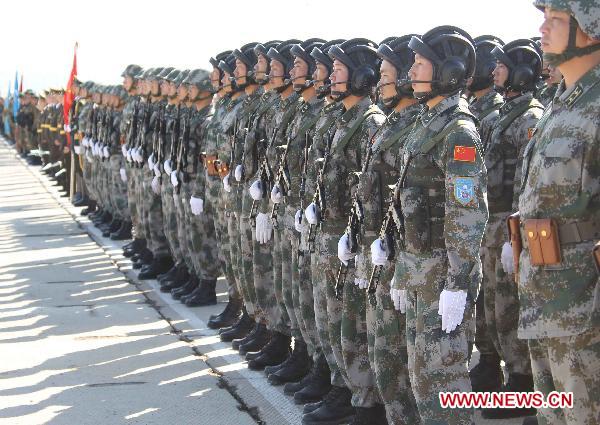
x=523, y=58
x=452, y=54
x=359, y=55
x=145, y=75
x=227, y=64
x=485, y=61
x=586, y=15
x=397, y=52
x=387, y=40
x=182, y=75
x=281, y=53
x=263, y=49
x=199, y=78
x=164, y=72
x=172, y=76
x=303, y=51
x=214, y=61
x=131, y=71
x=247, y=55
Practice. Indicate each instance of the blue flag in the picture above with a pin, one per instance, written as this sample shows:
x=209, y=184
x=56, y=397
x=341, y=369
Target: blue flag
x=16, y=96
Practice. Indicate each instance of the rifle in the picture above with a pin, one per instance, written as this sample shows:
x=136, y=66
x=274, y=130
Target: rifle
x=132, y=129
x=265, y=175
x=142, y=139
x=282, y=179
x=302, y=189
x=353, y=228
x=106, y=142
x=182, y=152
x=175, y=136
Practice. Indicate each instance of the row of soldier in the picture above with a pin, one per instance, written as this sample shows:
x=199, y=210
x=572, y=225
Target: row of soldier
x=376, y=241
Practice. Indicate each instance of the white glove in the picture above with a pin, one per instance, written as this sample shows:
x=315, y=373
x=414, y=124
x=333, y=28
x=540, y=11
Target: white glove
x=378, y=253
x=155, y=185
x=77, y=149
x=361, y=283
x=106, y=152
x=67, y=128
x=298, y=221
x=226, y=184
x=174, y=180
x=156, y=170
x=138, y=155
x=88, y=156
x=344, y=253
x=264, y=228
x=124, y=151
x=239, y=170
x=151, y=161
x=167, y=166
x=84, y=141
x=123, y=175
x=93, y=148
x=276, y=195
x=129, y=157
x=507, y=259
x=256, y=190
x=399, y=299
x=312, y=213
x=135, y=155
x=452, y=308
x=197, y=205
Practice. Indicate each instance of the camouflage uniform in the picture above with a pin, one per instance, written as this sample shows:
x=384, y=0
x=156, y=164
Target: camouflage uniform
x=386, y=327
x=559, y=314
x=546, y=94
x=503, y=157
x=118, y=188
x=347, y=318
x=129, y=123
x=444, y=207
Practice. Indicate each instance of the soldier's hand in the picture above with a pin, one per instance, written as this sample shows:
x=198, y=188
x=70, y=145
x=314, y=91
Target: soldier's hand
x=77, y=149
x=399, y=299
x=226, y=185
x=452, y=308
x=312, y=213
x=344, y=252
x=123, y=175
x=298, y=221
x=276, y=195
x=256, y=190
x=155, y=185
x=167, y=166
x=507, y=259
x=174, y=179
x=197, y=205
x=378, y=253
x=151, y=161
x=239, y=172
x=264, y=228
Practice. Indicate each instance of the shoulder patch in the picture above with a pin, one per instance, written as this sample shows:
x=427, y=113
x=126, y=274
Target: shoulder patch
x=465, y=153
x=530, y=132
x=464, y=190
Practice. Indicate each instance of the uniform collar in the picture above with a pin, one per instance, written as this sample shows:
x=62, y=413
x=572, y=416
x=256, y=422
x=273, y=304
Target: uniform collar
x=511, y=104
x=356, y=111
x=428, y=115
x=571, y=96
x=486, y=101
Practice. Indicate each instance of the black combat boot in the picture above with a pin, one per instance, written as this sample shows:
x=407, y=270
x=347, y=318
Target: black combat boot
x=158, y=265
x=241, y=328
x=82, y=201
x=236, y=343
x=144, y=258
x=99, y=211
x=252, y=348
x=318, y=385
x=487, y=375
x=182, y=276
x=112, y=227
x=169, y=275
x=275, y=352
x=516, y=383
x=294, y=369
x=204, y=295
x=187, y=288
x=123, y=232
x=335, y=408
x=105, y=217
x=228, y=316
x=369, y=415
x=90, y=208
x=133, y=247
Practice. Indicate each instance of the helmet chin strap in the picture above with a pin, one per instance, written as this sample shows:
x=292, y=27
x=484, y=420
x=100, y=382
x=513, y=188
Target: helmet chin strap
x=572, y=51
x=339, y=95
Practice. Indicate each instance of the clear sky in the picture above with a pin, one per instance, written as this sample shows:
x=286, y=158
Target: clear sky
x=39, y=35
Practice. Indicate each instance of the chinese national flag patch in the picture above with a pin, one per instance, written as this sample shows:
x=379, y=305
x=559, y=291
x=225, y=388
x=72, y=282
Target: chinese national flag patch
x=464, y=153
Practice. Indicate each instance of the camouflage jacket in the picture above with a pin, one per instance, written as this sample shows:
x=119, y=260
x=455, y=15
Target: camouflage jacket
x=546, y=94
x=561, y=180
x=503, y=160
x=443, y=201
x=346, y=158
x=486, y=110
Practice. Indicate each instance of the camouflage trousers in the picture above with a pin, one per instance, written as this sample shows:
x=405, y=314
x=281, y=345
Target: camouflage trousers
x=119, y=188
x=170, y=218
x=142, y=196
x=569, y=364
x=483, y=341
x=502, y=313
x=437, y=361
x=328, y=309
x=87, y=176
x=233, y=208
x=198, y=232
x=245, y=248
x=388, y=355
x=215, y=202
x=154, y=216
x=131, y=200
x=282, y=274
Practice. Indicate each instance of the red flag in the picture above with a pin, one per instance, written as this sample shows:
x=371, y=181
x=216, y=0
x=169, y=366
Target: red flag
x=21, y=85
x=69, y=96
x=464, y=153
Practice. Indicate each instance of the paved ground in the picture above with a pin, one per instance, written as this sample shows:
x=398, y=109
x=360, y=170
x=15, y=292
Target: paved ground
x=83, y=342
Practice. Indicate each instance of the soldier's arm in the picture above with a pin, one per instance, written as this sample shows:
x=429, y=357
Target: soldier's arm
x=523, y=134
x=466, y=210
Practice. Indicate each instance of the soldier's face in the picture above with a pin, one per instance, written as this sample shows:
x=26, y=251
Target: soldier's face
x=421, y=70
x=155, y=88
x=387, y=80
x=193, y=92
x=127, y=83
x=320, y=75
x=164, y=86
x=339, y=77
x=299, y=72
x=500, y=74
x=260, y=69
x=277, y=73
x=214, y=78
x=555, y=31
x=240, y=72
x=182, y=92
x=226, y=82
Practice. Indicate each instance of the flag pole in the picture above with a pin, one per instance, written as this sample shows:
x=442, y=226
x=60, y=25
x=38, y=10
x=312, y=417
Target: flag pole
x=72, y=185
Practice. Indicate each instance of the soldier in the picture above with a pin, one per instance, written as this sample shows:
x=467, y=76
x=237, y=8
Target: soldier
x=553, y=79
x=354, y=75
x=558, y=283
x=519, y=66
x=441, y=196
x=287, y=187
x=487, y=375
x=386, y=326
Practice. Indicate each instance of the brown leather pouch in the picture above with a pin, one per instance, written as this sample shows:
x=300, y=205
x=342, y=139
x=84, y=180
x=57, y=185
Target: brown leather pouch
x=210, y=163
x=596, y=252
x=514, y=232
x=222, y=168
x=543, y=240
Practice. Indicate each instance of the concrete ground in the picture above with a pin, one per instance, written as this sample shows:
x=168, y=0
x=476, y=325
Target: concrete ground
x=82, y=341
